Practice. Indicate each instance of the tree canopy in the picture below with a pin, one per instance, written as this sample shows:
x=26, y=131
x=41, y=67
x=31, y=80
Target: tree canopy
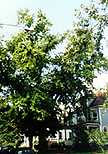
x=24, y=59
x=72, y=77
x=33, y=84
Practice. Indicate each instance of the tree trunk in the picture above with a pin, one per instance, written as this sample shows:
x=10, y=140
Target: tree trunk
x=30, y=142
x=43, y=145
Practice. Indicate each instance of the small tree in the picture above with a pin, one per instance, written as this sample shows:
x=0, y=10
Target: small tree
x=98, y=138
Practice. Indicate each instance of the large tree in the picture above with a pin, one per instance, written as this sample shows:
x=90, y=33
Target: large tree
x=24, y=61
x=35, y=84
x=72, y=77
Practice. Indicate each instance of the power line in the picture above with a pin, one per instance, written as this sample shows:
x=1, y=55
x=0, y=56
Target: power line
x=17, y=26
x=11, y=25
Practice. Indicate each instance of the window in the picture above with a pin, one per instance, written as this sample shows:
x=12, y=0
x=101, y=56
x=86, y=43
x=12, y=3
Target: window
x=94, y=115
x=105, y=129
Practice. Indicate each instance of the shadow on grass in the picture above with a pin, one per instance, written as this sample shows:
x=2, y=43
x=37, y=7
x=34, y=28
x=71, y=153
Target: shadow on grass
x=78, y=149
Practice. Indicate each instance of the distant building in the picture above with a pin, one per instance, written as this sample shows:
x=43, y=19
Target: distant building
x=98, y=117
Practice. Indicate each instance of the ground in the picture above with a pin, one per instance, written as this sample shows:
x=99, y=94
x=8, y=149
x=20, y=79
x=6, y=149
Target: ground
x=105, y=152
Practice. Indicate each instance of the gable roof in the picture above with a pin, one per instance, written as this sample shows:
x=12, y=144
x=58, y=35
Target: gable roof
x=99, y=100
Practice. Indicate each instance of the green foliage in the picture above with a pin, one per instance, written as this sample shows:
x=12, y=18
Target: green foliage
x=82, y=136
x=98, y=137
x=35, y=84
x=104, y=1
x=23, y=60
x=9, y=134
x=25, y=18
x=72, y=77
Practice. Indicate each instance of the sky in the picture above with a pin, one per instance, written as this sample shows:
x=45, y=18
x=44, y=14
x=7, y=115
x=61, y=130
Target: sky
x=59, y=12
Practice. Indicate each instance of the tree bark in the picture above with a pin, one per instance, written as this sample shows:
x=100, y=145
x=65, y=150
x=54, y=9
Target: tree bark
x=43, y=145
x=30, y=142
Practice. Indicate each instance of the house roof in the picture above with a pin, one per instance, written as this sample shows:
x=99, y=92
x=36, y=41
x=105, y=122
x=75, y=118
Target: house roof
x=99, y=100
